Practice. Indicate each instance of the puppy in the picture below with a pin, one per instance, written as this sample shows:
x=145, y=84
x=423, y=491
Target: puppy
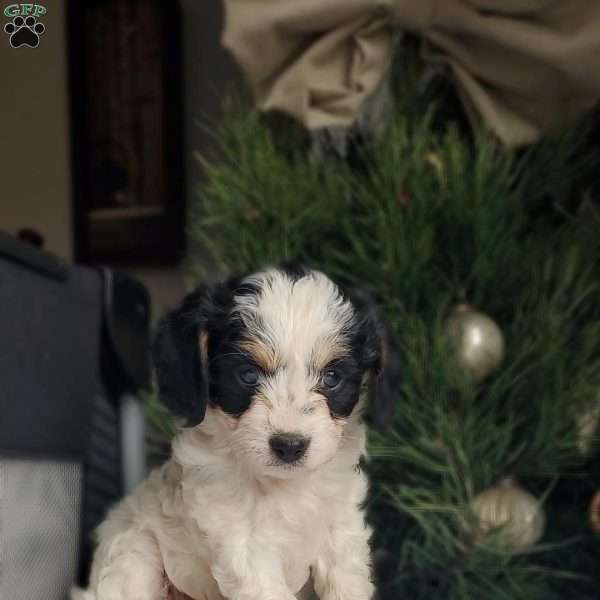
x=263, y=490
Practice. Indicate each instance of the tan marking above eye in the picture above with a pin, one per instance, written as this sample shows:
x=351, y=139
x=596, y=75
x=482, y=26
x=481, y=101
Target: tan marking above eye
x=327, y=351
x=203, y=342
x=262, y=355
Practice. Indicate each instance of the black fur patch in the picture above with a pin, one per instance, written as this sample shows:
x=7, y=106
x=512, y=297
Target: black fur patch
x=374, y=342
x=364, y=356
x=225, y=357
x=185, y=382
x=180, y=375
x=342, y=399
x=293, y=270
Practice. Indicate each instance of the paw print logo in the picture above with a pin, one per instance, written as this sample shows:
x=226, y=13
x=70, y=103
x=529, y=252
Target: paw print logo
x=24, y=32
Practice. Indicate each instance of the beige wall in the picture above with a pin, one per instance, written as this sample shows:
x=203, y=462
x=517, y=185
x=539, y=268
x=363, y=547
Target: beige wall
x=34, y=139
x=34, y=142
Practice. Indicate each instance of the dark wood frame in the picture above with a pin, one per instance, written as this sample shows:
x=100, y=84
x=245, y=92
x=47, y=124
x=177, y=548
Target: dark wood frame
x=167, y=242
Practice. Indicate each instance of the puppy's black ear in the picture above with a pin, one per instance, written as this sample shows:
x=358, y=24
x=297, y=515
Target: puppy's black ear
x=180, y=358
x=382, y=356
x=384, y=387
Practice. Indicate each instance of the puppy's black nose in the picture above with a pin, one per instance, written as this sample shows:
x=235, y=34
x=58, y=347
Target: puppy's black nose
x=288, y=447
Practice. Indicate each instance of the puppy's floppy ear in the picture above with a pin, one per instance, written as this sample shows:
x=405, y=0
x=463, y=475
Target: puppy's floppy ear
x=382, y=355
x=180, y=358
x=384, y=386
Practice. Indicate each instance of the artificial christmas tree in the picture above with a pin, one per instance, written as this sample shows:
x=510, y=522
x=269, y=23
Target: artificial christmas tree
x=480, y=487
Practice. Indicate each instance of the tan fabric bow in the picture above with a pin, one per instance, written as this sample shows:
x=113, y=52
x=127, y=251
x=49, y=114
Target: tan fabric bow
x=524, y=66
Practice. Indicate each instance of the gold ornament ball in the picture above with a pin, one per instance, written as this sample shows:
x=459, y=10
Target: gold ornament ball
x=477, y=340
x=516, y=511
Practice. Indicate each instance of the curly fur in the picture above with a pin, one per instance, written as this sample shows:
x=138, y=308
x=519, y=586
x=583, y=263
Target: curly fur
x=225, y=517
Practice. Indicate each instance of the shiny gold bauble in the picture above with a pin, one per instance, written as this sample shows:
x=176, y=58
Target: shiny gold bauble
x=517, y=513
x=477, y=340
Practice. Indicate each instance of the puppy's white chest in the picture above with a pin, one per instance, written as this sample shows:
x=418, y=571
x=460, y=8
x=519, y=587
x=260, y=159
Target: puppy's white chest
x=299, y=552
x=282, y=530
x=291, y=548
x=292, y=529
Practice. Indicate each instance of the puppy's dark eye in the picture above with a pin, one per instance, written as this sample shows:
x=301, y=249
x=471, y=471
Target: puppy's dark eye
x=330, y=379
x=248, y=375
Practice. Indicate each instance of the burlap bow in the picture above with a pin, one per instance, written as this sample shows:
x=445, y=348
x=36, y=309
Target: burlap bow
x=524, y=66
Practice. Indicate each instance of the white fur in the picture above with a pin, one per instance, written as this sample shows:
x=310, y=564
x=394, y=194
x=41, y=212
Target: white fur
x=221, y=519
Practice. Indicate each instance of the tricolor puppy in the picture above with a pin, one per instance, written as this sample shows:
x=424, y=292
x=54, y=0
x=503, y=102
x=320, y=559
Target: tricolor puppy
x=263, y=489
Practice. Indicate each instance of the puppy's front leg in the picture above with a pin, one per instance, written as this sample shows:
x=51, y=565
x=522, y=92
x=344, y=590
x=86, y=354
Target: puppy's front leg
x=127, y=564
x=342, y=570
x=244, y=573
